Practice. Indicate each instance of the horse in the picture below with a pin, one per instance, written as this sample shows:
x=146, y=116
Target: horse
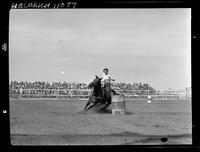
x=99, y=95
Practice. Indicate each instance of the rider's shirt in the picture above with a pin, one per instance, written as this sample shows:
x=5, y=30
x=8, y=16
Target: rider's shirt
x=106, y=79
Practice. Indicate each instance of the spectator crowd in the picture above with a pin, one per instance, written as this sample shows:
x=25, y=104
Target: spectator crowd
x=46, y=85
x=66, y=88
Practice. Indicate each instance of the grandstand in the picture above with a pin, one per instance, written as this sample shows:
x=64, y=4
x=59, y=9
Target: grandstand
x=76, y=90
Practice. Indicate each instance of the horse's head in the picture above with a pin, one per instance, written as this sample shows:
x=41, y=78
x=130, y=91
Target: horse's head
x=95, y=83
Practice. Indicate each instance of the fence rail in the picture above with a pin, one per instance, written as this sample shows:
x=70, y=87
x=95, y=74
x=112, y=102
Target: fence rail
x=84, y=94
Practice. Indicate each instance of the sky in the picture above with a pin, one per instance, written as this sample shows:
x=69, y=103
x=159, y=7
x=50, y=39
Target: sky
x=137, y=45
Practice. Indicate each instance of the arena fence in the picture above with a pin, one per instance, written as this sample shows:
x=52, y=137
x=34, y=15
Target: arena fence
x=83, y=94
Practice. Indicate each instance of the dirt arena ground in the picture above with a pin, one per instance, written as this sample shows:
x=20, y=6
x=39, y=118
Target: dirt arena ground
x=63, y=122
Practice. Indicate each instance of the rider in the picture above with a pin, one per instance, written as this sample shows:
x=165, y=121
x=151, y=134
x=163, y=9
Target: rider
x=106, y=81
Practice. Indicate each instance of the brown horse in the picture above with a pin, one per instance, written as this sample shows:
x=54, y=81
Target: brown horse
x=99, y=95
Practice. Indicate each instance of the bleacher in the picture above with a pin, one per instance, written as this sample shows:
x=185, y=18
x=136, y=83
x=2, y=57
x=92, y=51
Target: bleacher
x=77, y=90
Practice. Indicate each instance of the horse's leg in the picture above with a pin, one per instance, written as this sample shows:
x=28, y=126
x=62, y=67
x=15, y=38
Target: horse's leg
x=88, y=103
x=92, y=106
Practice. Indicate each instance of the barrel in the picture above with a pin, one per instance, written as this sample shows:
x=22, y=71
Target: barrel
x=118, y=104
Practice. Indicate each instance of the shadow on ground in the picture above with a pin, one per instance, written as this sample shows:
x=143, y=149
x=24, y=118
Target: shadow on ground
x=100, y=109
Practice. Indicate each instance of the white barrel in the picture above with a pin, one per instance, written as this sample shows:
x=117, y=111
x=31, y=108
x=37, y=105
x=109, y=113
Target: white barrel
x=118, y=104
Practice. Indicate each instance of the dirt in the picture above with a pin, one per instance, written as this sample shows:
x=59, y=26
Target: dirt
x=43, y=122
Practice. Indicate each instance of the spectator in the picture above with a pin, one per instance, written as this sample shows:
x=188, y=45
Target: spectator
x=54, y=88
